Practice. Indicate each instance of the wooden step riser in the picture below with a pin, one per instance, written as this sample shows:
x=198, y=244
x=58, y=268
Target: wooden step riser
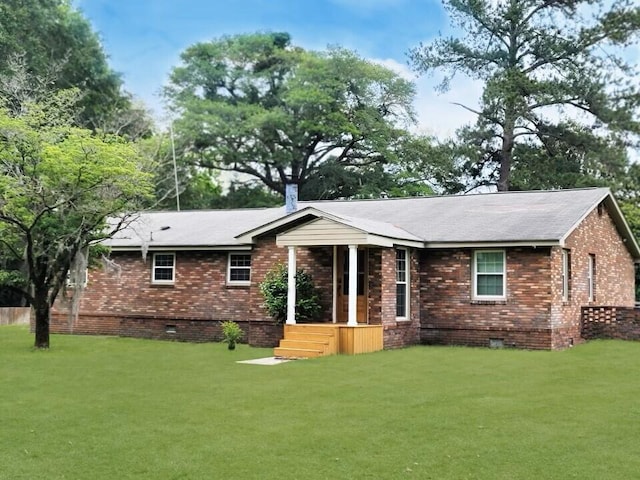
x=296, y=353
x=305, y=344
x=330, y=343
x=316, y=337
x=328, y=330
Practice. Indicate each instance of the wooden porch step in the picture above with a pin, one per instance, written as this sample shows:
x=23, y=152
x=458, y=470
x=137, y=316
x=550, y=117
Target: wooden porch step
x=306, y=344
x=297, y=352
x=308, y=340
x=327, y=335
x=316, y=337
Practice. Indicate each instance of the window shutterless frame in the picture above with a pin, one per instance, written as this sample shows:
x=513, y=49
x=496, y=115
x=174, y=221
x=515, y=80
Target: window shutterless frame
x=591, y=279
x=163, y=269
x=489, y=275
x=239, y=269
x=402, y=284
x=566, y=265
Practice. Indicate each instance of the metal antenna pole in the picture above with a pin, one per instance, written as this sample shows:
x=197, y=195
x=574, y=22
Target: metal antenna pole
x=175, y=167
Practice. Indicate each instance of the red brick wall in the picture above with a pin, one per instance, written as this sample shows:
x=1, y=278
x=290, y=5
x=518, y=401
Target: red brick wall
x=622, y=323
x=197, y=302
x=534, y=314
x=257, y=334
x=614, y=276
x=450, y=316
x=318, y=261
x=382, y=297
x=374, y=267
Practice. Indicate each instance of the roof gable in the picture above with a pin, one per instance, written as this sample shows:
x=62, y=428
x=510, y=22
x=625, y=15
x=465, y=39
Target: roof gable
x=331, y=231
x=322, y=231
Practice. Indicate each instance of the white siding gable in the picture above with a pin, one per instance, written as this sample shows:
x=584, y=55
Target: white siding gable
x=323, y=231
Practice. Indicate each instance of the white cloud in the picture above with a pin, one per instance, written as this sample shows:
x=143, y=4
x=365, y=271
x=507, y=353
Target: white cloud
x=400, y=68
x=437, y=113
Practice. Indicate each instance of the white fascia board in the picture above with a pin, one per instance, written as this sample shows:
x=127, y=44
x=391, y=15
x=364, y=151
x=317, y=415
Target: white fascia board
x=393, y=242
x=167, y=248
x=534, y=244
x=370, y=240
x=249, y=236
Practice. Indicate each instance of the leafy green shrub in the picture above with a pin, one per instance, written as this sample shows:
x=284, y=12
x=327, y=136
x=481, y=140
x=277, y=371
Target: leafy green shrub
x=232, y=333
x=274, y=290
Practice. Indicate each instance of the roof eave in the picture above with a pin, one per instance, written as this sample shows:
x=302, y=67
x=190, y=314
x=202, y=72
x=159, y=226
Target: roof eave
x=625, y=231
x=250, y=235
x=178, y=248
x=493, y=244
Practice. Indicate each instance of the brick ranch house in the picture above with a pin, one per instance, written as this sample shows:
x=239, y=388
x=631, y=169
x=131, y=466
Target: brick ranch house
x=512, y=269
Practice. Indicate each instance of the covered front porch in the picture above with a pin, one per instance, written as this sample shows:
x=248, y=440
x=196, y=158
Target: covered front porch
x=349, y=331
x=363, y=269
x=356, y=324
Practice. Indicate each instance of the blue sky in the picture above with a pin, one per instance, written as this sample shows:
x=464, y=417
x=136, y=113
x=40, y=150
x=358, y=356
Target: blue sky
x=144, y=39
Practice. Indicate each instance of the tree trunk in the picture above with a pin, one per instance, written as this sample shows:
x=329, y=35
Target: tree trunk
x=42, y=326
x=506, y=153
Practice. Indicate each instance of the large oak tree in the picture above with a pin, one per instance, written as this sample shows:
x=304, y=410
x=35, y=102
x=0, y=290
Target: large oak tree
x=257, y=105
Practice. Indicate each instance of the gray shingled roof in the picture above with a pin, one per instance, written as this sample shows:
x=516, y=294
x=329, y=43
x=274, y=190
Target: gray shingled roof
x=192, y=228
x=535, y=216
x=491, y=217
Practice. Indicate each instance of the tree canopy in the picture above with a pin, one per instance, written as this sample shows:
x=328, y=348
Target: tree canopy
x=58, y=186
x=48, y=45
x=560, y=100
x=257, y=105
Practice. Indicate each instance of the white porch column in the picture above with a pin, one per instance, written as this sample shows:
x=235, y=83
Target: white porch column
x=291, y=284
x=334, y=315
x=353, y=286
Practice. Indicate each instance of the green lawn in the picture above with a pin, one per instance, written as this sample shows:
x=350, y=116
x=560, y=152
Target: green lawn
x=114, y=408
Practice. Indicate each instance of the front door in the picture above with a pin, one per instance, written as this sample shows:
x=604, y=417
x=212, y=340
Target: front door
x=342, y=291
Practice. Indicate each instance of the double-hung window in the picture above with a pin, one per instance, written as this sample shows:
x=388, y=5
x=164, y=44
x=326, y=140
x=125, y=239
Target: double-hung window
x=402, y=283
x=239, y=269
x=164, y=266
x=566, y=273
x=489, y=275
x=591, y=280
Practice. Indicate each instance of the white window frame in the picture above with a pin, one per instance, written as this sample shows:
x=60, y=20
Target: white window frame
x=154, y=267
x=236, y=267
x=476, y=274
x=565, y=275
x=406, y=282
x=591, y=281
